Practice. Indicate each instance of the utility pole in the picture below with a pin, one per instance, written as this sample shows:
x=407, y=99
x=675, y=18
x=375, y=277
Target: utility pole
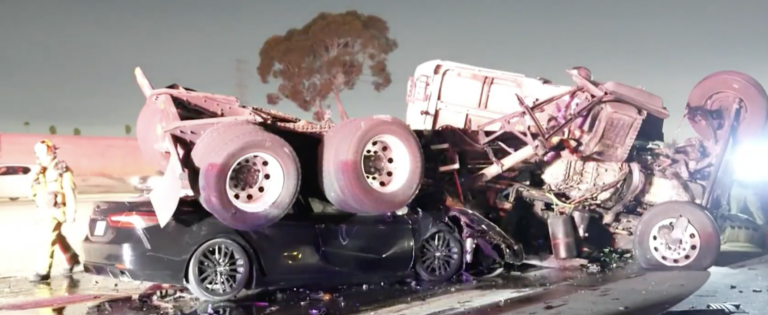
x=241, y=85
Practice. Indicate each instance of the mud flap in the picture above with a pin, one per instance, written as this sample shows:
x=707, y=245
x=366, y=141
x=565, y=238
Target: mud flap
x=165, y=197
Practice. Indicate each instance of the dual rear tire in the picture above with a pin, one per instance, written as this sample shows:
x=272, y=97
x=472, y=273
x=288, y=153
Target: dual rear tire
x=249, y=178
x=371, y=166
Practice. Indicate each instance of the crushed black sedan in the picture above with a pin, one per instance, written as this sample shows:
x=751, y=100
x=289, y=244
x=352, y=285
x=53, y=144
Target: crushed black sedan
x=314, y=243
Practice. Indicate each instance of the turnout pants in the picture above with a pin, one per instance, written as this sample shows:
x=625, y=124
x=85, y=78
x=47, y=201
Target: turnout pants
x=50, y=238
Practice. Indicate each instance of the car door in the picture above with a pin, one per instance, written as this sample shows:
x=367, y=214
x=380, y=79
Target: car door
x=377, y=244
x=289, y=249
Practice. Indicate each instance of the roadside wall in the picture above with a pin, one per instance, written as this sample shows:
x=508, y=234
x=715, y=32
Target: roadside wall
x=101, y=164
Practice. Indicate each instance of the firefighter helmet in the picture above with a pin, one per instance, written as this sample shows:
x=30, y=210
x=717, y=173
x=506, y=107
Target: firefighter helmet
x=45, y=147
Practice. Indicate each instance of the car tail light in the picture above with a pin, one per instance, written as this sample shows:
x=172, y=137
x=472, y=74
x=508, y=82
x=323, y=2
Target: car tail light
x=132, y=220
x=417, y=89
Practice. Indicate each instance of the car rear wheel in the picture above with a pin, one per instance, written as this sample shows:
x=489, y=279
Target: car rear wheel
x=372, y=165
x=249, y=178
x=440, y=256
x=658, y=246
x=218, y=270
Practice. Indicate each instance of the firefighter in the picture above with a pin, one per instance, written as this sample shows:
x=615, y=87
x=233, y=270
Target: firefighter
x=53, y=189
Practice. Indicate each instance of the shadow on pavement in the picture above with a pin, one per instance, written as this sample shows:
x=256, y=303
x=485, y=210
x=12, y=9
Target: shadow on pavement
x=641, y=293
x=660, y=304
x=738, y=260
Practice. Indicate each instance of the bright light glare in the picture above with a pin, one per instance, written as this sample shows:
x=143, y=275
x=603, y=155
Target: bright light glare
x=750, y=162
x=153, y=181
x=135, y=180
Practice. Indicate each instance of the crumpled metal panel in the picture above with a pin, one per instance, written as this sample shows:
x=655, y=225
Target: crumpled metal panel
x=487, y=234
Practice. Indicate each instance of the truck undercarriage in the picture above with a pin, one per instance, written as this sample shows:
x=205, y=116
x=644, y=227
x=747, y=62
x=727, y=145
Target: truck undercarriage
x=564, y=170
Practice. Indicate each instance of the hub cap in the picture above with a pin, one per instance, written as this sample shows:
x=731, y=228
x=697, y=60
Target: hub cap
x=674, y=254
x=254, y=182
x=221, y=269
x=385, y=163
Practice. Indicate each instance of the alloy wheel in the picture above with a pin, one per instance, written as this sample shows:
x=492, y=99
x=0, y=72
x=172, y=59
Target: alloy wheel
x=440, y=254
x=221, y=269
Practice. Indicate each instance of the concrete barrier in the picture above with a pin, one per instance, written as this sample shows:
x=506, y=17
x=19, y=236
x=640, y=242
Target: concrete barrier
x=101, y=164
x=111, y=157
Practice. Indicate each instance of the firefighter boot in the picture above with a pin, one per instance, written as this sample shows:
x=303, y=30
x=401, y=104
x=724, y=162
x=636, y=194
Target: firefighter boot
x=40, y=277
x=71, y=268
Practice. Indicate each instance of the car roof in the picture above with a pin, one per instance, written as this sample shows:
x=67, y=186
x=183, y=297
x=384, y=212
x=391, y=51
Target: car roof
x=17, y=164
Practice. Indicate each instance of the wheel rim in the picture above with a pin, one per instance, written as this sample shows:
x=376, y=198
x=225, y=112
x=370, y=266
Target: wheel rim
x=439, y=254
x=221, y=269
x=680, y=255
x=255, y=181
x=385, y=163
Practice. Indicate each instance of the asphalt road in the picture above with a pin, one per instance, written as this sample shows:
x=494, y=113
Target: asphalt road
x=625, y=291
x=543, y=292
x=18, y=232
x=745, y=283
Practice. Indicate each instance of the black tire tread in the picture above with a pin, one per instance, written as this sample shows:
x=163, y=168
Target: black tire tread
x=697, y=216
x=197, y=291
x=224, y=141
x=336, y=144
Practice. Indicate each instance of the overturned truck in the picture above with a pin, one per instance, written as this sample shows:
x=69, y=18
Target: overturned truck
x=573, y=168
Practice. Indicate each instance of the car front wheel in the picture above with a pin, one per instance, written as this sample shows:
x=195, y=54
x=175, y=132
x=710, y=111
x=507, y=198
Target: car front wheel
x=218, y=270
x=440, y=256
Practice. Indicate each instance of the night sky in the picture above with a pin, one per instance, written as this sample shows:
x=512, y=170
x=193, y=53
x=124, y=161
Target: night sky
x=70, y=63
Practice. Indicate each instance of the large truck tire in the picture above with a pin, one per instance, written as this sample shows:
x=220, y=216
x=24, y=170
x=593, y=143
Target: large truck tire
x=717, y=91
x=249, y=178
x=698, y=249
x=371, y=166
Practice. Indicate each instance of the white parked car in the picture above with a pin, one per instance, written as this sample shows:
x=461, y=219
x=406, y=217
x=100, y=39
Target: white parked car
x=145, y=184
x=15, y=180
